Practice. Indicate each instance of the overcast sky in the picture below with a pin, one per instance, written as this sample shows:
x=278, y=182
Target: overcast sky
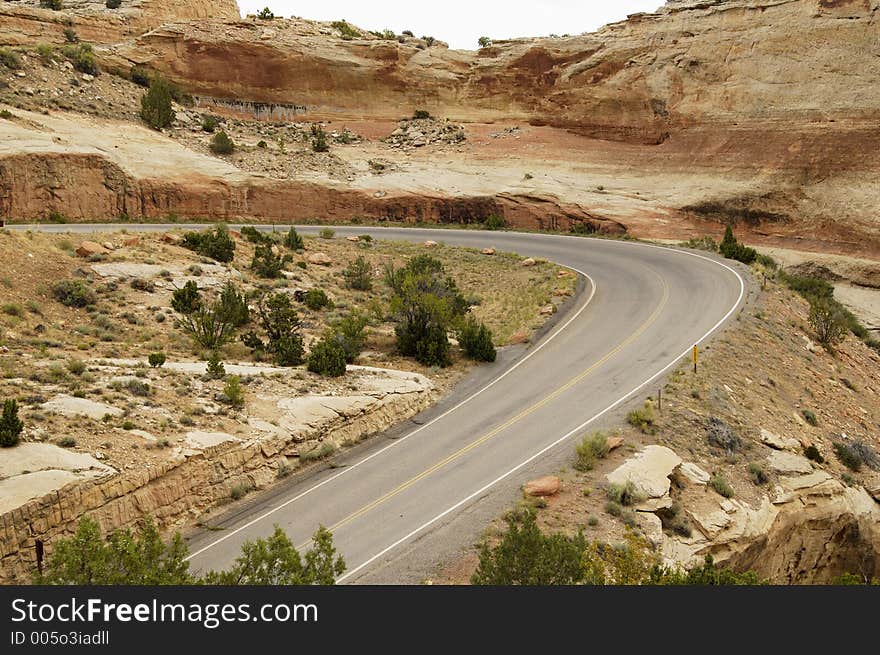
x=461, y=22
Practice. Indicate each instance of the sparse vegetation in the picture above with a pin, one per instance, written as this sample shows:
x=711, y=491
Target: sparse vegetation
x=113, y=4
x=319, y=139
x=593, y=446
x=233, y=394
x=74, y=293
x=810, y=417
x=281, y=324
x=265, y=14
x=215, y=369
x=643, y=419
x=186, y=300
x=266, y=262
x=156, y=110
x=293, y=240
x=327, y=233
x=476, y=340
x=812, y=453
x=10, y=59
x=221, y=144
x=854, y=454
x=358, y=275
x=209, y=123
x=346, y=31
x=828, y=322
x=316, y=299
x=721, y=486
x=348, y=332
x=216, y=243
x=240, y=490
x=625, y=494
x=720, y=435
x=327, y=358
x=758, y=473
x=11, y=426
x=495, y=223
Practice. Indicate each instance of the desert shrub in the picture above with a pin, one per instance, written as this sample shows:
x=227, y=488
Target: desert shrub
x=239, y=491
x=82, y=57
x=476, y=340
x=54, y=5
x=358, y=275
x=138, y=388
x=67, y=442
x=281, y=324
x=624, y=494
x=767, y=262
x=12, y=309
x=732, y=249
x=209, y=123
x=812, y=453
x=74, y=293
x=319, y=139
x=156, y=110
x=327, y=358
x=7, y=115
x=266, y=263
x=221, y=144
x=701, y=243
x=113, y=4
x=233, y=305
x=720, y=435
x=317, y=453
x=484, y=42
x=346, y=31
x=253, y=235
x=495, y=223
x=828, y=322
x=316, y=299
x=140, y=284
x=420, y=114
x=140, y=76
x=186, y=300
x=592, y=447
x=327, y=233
x=70, y=35
x=262, y=144
x=643, y=419
x=208, y=326
x=156, y=360
x=11, y=426
x=293, y=240
x=215, y=369
x=216, y=244
x=10, y=58
x=349, y=334
x=233, y=394
x=424, y=303
x=721, y=486
x=265, y=14
x=76, y=367
x=810, y=417
x=758, y=473
x=854, y=454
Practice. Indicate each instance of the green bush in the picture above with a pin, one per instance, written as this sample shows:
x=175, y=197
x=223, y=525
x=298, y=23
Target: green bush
x=12, y=309
x=215, y=369
x=327, y=358
x=10, y=59
x=316, y=300
x=345, y=30
x=495, y=223
x=484, y=42
x=140, y=76
x=349, y=334
x=82, y=57
x=54, y=5
x=253, y=235
x=70, y=35
x=828, y=322
x=281, y=324
x=74, y=293
x=266, y=263
x=643, y=419
x=76, y=367
x=701, y=243
x=476, y=340
x=67, y=442
x=113, y=4
x=156, y=359
x=10, y=425
x=732, y=249
x=319, y=139
x=293, y=240
x=216, y=244
x=420, y=114
x=233, y=394
x=221, y=144
x=209, y=327
x=721, y=486
x=186, y=300
x=156, y=110
x=239, y=491
x=812, y=453
x=265, y=14
x=233, y=306
x=209, y=123
x=855, y=454
x=138, y=388
x=810, y=417
x=758, y=473
x=358, y=275
x=327, y=233
x=592, y=447
x=624, y=494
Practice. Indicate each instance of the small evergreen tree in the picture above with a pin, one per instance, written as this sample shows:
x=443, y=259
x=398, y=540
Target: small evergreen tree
x=221, y=144
x=358, y=275
x=215, y=370
x=349, y=334
x=319, y=139
x=281, y=324
x=327, y=358
x=233, y=306
x=10, y=425
x=266, y=263
x=156, y=359
x=216, y=244
x=732, y=249
x=293, y=240
x=476, y=340
x=265, y=14
x=186, y=300
x=156, y=108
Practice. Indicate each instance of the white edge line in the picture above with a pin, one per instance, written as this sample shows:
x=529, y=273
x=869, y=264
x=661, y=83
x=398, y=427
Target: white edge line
x=394, y=443
x=579, y=428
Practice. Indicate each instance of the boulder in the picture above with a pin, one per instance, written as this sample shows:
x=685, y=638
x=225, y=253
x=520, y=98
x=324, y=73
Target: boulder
x=689, y=473
x=430, y=244
x=547, y=486
x=173, y=239
x=89, y=248
x=488, y=251
x=614, y=443
x=131, y=242
x=648, y=470
x=353, y=239
x=108, y=245
x=779, y=443
x=547, y=310
x=529, y=261
x=320, y=259
x=789, y=463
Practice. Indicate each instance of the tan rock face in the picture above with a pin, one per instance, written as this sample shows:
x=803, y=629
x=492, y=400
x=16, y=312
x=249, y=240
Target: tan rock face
x=546, y=486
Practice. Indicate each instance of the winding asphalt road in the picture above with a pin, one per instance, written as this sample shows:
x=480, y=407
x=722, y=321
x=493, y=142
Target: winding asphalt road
x=642, y=310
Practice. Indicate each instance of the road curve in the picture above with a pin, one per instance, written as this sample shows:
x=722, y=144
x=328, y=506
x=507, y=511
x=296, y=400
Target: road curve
x=643, y=309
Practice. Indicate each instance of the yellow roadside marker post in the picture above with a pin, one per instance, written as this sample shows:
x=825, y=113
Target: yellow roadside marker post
x=696, y=358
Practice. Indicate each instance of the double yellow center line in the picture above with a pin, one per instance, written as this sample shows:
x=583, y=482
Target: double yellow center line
x=526, y=412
